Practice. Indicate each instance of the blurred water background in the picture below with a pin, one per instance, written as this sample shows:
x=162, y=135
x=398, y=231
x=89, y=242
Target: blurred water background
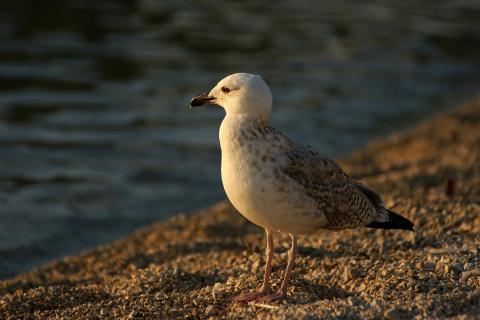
x=95, y=134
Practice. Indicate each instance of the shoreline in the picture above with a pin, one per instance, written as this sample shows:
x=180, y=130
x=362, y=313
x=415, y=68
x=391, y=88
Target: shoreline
x=191, y=266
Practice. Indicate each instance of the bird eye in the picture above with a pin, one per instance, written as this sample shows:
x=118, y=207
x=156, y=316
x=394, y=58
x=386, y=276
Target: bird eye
x=225, y=89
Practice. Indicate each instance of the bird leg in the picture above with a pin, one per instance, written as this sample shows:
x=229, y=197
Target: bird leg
x=282, y=292
x=265, y=288
x=268, y=264
x=292, y=253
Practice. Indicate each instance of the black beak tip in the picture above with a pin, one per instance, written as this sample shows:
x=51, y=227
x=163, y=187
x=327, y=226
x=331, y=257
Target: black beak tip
x=200, y=100
x=195, y=102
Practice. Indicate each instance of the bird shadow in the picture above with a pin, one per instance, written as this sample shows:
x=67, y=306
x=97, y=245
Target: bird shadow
x=307, y=292
x=321, y=253
x=189, y=281
x=314, y=292
x=174, y=251
x=312, y=252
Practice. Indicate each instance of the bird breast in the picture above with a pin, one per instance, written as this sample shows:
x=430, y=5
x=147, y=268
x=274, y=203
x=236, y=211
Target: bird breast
x=253, y=180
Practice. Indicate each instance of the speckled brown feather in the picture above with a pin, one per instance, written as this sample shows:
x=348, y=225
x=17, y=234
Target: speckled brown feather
x=345, y=203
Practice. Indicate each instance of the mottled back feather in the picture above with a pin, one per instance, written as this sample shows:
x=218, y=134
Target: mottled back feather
x=372, y=195
x=345, y=203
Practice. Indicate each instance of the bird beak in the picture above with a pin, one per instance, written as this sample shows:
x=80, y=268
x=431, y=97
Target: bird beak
x=201, y=100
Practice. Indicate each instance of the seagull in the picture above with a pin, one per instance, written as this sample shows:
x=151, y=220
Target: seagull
x=281, y=185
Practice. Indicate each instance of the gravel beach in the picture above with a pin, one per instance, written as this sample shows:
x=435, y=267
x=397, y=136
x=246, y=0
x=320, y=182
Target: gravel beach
x=192, y=265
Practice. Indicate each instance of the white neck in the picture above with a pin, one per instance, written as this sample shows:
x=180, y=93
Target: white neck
x=232, y=127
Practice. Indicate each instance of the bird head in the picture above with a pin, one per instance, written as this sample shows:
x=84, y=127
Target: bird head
x=239, y=93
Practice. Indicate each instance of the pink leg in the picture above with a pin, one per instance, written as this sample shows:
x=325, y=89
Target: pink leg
x=282, y=292
x=265, y=288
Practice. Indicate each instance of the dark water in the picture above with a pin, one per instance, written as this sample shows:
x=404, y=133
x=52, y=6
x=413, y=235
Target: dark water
x=95, y=134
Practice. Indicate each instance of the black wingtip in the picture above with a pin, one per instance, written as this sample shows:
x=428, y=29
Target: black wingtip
x=395, y=221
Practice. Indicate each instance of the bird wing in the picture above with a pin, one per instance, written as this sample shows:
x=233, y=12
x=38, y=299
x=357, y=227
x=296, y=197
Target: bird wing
x=344, y=202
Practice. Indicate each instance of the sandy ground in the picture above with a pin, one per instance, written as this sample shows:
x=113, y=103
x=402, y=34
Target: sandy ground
x=191, y=266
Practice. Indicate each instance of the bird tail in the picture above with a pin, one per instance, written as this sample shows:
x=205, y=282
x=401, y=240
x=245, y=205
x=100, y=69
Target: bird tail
x=395, y=221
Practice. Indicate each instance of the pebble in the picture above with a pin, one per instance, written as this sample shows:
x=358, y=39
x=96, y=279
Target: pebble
x=347, y=274
x=394, y=313
x=210, y=310
x=468, y=266
x=426, y=266
x=440, y=267
x=350, y=301
x=353, y=273
x=217, y=289
x=457, y=267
